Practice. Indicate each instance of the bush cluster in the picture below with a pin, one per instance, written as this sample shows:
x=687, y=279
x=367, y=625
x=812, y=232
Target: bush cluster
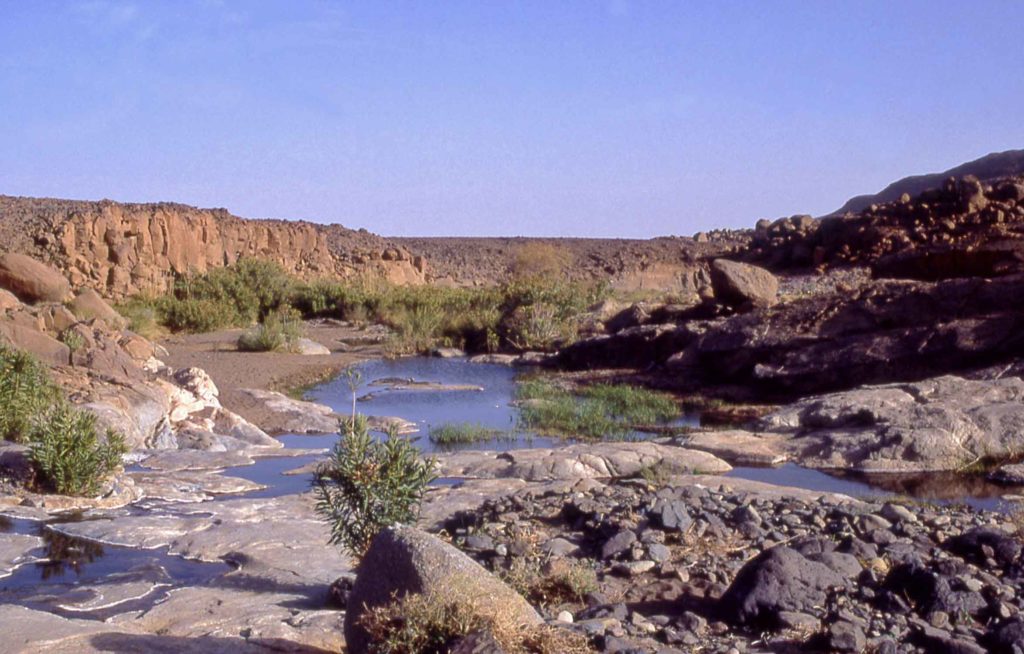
x=279, y=330
x=535, y=311
x=421, y=623
x=67, y=452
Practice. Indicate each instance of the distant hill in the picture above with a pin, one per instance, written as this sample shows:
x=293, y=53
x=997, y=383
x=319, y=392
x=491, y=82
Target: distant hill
x=991, y=166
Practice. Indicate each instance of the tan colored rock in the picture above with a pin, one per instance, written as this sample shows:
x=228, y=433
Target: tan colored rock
x=43, y=347
x=88, y=305
x=8, y=300
x=580, y=461
x=739, y=284
x=31, y=280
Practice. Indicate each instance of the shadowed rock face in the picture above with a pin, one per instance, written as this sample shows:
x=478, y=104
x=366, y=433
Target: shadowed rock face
x=120, y=249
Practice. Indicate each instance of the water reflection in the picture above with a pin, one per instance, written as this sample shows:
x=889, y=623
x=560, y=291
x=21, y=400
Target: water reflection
x=66, y=554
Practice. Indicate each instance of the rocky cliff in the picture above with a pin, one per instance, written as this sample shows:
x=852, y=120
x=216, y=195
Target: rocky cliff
x=120, y=249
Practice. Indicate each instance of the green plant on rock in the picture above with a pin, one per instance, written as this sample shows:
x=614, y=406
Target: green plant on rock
x=72, y=339
x=367, y=485
x=26, y=393
x=68, y=454
x=279, y=331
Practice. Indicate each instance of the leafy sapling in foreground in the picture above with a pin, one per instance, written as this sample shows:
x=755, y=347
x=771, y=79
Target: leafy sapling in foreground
x=368, y=485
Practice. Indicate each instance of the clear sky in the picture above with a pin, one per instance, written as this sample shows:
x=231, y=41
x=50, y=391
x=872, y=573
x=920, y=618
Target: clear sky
x=600, y=118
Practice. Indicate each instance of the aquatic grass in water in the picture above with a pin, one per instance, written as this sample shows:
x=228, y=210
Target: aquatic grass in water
x=604, y=411
x=637, y=406
x=457, y=434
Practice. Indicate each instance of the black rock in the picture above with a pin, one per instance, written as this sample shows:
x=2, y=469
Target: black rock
x=779, y=579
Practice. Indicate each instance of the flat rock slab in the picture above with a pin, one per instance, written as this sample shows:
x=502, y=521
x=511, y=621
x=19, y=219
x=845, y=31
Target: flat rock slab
x=17, y=550
x=225, y=618
x=384, y=423
x=584, y=460
x=758, y=489
x=28, y=630
x=740, y=448
x=394, y=384
x=174, y=460
x=190, y=485
x=281, y=414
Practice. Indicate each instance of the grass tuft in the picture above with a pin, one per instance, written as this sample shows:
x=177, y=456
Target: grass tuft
x=462, y=433
x=603, y=411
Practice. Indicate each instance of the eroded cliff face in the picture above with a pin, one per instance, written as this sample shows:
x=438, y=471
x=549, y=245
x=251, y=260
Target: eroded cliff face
x=121, y=249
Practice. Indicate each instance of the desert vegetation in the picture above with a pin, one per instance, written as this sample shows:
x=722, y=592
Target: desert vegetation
x=67, y=453
x=367, y=485
x=463, y=433
x=422, y=623
x=279, y=330
x=534, y=311
x=601, y=411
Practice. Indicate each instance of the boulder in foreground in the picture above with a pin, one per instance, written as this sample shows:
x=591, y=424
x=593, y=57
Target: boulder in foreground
x=402, y=561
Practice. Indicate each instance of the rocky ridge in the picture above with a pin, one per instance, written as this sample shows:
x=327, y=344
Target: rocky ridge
x=120, y=249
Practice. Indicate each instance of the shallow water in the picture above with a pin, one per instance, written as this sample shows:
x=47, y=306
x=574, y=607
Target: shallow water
x=941, y=488
x=82, y=578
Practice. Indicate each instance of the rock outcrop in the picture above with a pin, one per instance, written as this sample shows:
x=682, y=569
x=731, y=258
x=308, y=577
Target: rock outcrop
x=120, y=249
x=961, y=228
x=945, y=423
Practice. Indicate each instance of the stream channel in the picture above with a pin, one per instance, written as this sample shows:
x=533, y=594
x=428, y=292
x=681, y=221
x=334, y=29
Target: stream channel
x=62, y=572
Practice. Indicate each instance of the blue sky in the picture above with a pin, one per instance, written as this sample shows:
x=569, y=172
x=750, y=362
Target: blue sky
x=601, y=118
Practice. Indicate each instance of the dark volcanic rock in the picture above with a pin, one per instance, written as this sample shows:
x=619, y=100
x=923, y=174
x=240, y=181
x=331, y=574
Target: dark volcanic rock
x=890, y=331
x=779, y=579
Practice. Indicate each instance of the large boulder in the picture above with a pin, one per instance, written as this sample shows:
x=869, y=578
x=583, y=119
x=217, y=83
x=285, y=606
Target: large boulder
x=784, y=579
x=741, y=284
x=88, y=304
x=31, y=280
x=44, y=347
x=404, y=560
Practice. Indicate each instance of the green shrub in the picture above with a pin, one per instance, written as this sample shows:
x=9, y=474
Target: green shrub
x=68, y=455
x=143, y=315
x=195, y=315
x=26, y=393
x=72, y=339
x=280, y=330
x=367, y=485
x=65, y=449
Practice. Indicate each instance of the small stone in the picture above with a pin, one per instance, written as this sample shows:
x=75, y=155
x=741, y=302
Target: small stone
x=618, y=544
x=564, y=616
x=846, y=637
x=633, y=568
